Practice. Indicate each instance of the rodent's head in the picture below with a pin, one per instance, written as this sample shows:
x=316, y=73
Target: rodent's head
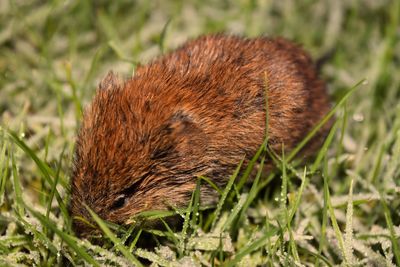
x=132, y=156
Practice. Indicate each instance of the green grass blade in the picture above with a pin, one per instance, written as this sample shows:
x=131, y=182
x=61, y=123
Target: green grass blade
x=93, y=66
x=327, y=117
x=43, y=167
x=260, y=242
x=54, y=186
x=232, y=216
x=19, y=202
x=389, y=222
x=171, y=235
x=69, y=240
x=117, y=242
x=134, y=242
x=46, y=171
x=186, y=223
x=225, y=194
x=342, y=133
x=335, y=225
x=324, y=223
x=4, y=168
x=154, y=214
x=161, y=42
x=211, y=183
x=324, y=150
x=196, y=204
x=74, y=88
x=250, y=166
x=296, y=204
x=120, y=53
x=39, y=235
x=349, y=239
x=253, y=190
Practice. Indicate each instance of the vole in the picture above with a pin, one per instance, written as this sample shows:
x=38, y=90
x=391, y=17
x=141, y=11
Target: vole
x=196, y=111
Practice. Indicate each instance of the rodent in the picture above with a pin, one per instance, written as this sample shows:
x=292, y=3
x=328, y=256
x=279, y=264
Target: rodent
x=196, y=111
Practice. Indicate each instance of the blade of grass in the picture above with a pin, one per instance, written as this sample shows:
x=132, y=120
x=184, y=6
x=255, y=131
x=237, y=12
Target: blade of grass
x=93, y=65
x=296, y=204
x=196, y=204
x=186, y=222
x=74, y=88
x=153, y=215
x=211, y=183
x=327, y=117
x=324, y=223
x=342, y=132
x=268, y=247
x=377, y=166
x=127, y=233
x=171, y=236
x=56, y=87
x=4, y=164
x=250, y=166
x=225, y=194
x=69, y=240
x=163, y=35
x=284, y=209
x=258, y=243
x=19, y=203
x=335, y=225
x=263, y=146
x=233, y=214
x=154, y=258
x=43, y=167
x=253, y=191
x=265, y=182
x=117, y=242
x=324, y=150
x=39, y=235
x=46, y=171
x=284, y=185
x=317, y=256
x=54, y=187
x=134, y=242
x=120, y=53
x=348, y=238
x=389, y=223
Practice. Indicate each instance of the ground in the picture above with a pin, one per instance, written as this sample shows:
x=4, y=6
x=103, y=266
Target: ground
x=341, y=208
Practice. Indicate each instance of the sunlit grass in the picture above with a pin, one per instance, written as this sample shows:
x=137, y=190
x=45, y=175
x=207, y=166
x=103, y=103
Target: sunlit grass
x=340, y=207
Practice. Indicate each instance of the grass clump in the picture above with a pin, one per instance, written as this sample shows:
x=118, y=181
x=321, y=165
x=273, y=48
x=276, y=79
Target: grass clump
x=341, y=208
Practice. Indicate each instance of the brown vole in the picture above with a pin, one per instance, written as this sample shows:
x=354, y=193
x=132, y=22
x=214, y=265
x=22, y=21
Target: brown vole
x=193, y=112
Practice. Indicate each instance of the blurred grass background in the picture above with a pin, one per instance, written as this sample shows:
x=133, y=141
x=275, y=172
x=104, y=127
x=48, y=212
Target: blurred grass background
x=54, y=53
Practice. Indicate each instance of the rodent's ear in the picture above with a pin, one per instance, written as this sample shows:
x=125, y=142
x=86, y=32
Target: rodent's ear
x=180, y=135
x=111, y=81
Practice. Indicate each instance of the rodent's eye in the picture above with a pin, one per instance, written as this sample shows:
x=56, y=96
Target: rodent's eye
x=122, y=199
x=119, y=202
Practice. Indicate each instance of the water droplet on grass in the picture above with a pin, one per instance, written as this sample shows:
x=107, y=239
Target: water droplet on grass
x=358, y=117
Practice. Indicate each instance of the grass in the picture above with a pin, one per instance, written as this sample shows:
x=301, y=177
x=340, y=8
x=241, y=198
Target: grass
x=341, y=208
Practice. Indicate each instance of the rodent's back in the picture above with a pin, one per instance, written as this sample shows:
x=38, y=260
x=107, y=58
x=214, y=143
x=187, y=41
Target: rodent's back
x=223, y=81
x=196, y=111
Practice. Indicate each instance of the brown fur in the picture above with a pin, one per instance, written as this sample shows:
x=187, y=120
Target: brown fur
x=196, y=111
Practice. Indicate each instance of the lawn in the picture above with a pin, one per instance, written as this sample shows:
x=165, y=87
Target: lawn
x=340, y=208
